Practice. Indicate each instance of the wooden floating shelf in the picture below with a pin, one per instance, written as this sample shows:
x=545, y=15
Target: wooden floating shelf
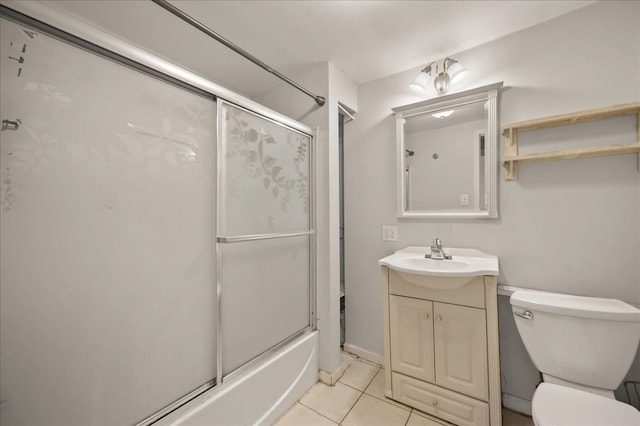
x=511, y=157
x=577, y=153
x=575, y=117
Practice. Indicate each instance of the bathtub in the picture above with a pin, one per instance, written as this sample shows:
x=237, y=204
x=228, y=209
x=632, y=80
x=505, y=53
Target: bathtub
x=258, y=396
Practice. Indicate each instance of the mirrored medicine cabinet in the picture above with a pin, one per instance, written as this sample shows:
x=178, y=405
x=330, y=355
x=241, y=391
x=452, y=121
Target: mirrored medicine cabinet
x=446, y=155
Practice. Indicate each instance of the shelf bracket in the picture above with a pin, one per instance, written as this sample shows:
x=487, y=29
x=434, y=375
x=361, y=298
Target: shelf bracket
x=510, y=150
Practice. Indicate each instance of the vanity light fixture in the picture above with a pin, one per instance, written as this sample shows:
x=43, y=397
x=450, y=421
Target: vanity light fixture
x=452, y=73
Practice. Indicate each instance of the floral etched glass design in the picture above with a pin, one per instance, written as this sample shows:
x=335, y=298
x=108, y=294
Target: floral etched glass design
x=264, y=172
x=107, y=205
x=265, y=175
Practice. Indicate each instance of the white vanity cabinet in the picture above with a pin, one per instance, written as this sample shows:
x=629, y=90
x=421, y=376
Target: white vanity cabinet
x=441, y=346
x=461, y=349
x=411, y=325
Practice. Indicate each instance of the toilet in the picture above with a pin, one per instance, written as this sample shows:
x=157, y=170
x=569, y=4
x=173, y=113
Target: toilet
x=584, y=347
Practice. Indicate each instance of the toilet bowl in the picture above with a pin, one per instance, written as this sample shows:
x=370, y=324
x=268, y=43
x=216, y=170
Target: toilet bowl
x=564, y=406
x=583, y=346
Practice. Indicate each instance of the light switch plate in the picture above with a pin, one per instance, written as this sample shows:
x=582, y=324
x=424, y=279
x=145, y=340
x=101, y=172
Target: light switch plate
x=389, y=233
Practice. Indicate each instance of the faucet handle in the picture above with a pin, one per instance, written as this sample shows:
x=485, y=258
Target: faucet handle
x=437, y=243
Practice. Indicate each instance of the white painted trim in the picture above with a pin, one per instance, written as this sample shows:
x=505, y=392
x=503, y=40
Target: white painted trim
x=344, y=110
x=416, y=214
x=515, y=403
x=476, y=168
x=488, y=94
x=401, y=181
x=446, y=100
x=364, y=354
x=47, y=12
x=491, y=153
x=388, y=390
x=332, y=378
x=493, y=348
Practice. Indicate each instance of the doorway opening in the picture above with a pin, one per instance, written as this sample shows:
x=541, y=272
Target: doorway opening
x=344, y=117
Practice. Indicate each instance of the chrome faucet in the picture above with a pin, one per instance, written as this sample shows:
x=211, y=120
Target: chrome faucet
x=437, y=252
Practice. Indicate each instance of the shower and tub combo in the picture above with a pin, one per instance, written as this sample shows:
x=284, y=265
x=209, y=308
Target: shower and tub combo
x=157, y=238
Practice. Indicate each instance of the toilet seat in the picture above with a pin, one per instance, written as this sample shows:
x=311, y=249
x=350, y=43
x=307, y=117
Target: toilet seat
x=555, y=405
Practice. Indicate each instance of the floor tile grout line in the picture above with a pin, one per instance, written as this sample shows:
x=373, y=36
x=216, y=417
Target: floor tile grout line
x=354, y=404
x=411, y=410
x=371, y=363
x=317, y=412
x=378, y=399
x=407, y=422
x=384, y=399
x=361, y=391
x=366, y=386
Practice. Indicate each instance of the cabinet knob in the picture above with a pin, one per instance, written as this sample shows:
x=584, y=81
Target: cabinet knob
x=426, y=315
x=438, y=317
x=435, y=403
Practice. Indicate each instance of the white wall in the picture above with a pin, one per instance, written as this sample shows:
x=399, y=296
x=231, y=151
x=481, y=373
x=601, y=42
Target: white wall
x=328, y=81
x=565, y=226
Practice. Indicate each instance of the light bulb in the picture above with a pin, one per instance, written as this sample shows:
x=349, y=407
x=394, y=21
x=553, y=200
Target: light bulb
x=420, y=83
x=457, y=72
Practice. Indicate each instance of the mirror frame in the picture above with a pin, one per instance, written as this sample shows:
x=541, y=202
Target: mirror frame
x=488, y=94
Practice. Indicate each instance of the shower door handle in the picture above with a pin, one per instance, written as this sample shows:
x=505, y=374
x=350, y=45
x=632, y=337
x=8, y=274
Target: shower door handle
x=11, y=124
x=243, y=238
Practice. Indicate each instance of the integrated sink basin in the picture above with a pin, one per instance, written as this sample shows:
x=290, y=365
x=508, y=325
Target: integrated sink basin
x=423, y=266
x=464, y=265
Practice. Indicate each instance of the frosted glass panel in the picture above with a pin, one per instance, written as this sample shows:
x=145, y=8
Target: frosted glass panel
x=265, y=284
x=265, y=296
x=265, y=175
x=106, y=292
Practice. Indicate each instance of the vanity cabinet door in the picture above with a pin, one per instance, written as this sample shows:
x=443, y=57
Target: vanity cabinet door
x=411, y=330
x=461, y=349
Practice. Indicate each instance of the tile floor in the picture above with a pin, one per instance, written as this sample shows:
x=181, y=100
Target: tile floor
x=358, y=400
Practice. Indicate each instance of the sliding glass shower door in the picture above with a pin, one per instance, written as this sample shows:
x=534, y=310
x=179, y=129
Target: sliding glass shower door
x=107, y=302
x=265, y=234
x=148, y=252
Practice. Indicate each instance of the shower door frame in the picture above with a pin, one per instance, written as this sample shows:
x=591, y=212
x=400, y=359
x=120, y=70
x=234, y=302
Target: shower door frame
x=220, y=240
x=67, y=29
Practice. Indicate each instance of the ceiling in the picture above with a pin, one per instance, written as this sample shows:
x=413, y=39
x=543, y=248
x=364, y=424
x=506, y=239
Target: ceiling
x=367, y=40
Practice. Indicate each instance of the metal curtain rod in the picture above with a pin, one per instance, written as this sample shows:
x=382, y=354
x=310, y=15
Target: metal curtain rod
x=320, y=100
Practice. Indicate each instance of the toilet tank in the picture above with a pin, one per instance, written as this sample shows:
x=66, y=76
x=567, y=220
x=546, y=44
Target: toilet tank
x=585, y=340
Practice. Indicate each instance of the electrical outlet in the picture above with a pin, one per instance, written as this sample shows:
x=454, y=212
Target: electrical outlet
x=389, y=233
x=464, y=199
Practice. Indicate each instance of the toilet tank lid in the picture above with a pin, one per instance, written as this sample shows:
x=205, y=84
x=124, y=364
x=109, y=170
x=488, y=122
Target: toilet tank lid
x=577, y=306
